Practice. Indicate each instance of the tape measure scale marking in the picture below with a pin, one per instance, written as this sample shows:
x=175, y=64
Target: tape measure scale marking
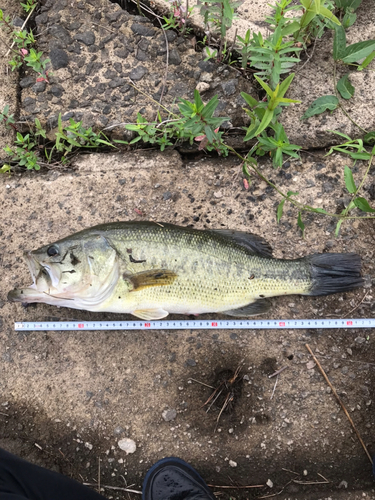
x=197, y=324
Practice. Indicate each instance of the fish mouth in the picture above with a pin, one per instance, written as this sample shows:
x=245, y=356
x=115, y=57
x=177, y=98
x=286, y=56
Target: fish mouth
x=41, y=285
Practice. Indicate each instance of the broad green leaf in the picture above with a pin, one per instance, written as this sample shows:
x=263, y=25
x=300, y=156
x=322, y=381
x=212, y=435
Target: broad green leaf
x=285, y=85
x=210, y=107
x=369, y=138
x=209, y=133
x=339, y=43
x=197, y=99
x=290, y=28
x=340, y=134
x=249, y=100
x=349, y=181
x=367, y=61
x=279, y=212
x=345, y=88
x=268, y=115
x=320, y=105
x=301, y=225
x=264, y=85
x=363, y=205
x=338, y=227
x=360, y=156
x=349, y=19
x=329, y=15
x=356, y=51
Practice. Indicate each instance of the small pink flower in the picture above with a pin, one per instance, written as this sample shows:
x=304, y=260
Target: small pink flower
x=246, y=184
x=24, y=52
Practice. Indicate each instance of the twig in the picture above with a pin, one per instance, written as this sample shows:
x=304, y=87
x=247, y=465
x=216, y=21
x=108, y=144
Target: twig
x=5, y=414
x=116, y=488
x=98, y=474
x=236, y=487
x=340, y=402
x=278, y=371
x=104, y=27
x=274, y=387
x=308, y=57
x=356, y=307
x=233, y=43
x=201, y=383
x=24, y=24
x=278, y=493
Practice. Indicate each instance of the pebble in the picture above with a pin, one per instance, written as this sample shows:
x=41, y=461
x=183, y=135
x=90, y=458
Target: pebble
x=127, y=445
x=360, y=340
x=169, y=415
x=232, y=463
x=269, y=483
x=59, y=58
x=202, y=87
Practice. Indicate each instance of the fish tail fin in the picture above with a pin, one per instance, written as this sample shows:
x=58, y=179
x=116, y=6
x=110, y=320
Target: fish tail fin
x=334, y=272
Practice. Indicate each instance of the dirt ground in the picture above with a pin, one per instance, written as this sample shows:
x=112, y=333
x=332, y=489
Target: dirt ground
x=68, y=398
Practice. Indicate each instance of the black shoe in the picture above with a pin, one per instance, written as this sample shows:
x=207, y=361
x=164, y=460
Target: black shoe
x=174, y=479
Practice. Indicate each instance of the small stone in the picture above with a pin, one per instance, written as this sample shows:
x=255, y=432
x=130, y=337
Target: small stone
x=269, y=483
x=116, y=82
x=310, y=365
x=174, y=57
x=232, y=463
x=56, y=90
x=191, y=362
x=343, y=484
x=89, y=446
x=141, y=55
x=39, y=87
x=218, y=194
x=122, y=182
x=360, y=340
x=141, y=29
x=138, y=73
x=202, y=87
x=127, y=445
x=229, y=87
x=60, y=33
x=169, y=415
x=27, y=82
x=88, y=37
x=59, y=58
x=167, y=195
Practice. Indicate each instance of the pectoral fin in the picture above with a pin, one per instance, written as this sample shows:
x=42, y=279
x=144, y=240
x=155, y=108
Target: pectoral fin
x=154, y=277
x=150, y=314
x=257, y=307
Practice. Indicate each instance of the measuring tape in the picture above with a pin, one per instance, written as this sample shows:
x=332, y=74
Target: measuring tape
x=210, y=324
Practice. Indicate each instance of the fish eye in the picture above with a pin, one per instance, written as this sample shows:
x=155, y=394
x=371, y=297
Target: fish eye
x=52, y=251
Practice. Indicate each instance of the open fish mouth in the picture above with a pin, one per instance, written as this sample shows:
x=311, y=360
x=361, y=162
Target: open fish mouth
x=41, y=284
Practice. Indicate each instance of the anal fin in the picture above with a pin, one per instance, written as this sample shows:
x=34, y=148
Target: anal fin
x=150, y=314
x=257, y=307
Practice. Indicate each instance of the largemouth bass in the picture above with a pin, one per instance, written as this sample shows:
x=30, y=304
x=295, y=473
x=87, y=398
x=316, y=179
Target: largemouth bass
x=150, y=270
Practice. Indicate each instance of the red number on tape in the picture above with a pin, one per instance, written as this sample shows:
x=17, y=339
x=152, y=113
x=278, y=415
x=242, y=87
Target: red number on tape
x=147, y=325
x=213, y=324
x=349, y=323
x=281, y=323
x=81, y=325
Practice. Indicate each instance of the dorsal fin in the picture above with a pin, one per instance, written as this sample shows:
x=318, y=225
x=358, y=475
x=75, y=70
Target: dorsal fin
x=252, y=242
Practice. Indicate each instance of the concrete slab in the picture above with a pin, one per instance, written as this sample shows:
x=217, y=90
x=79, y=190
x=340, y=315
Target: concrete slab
x=316, y=78
x=8, y=79
x=75, y=394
